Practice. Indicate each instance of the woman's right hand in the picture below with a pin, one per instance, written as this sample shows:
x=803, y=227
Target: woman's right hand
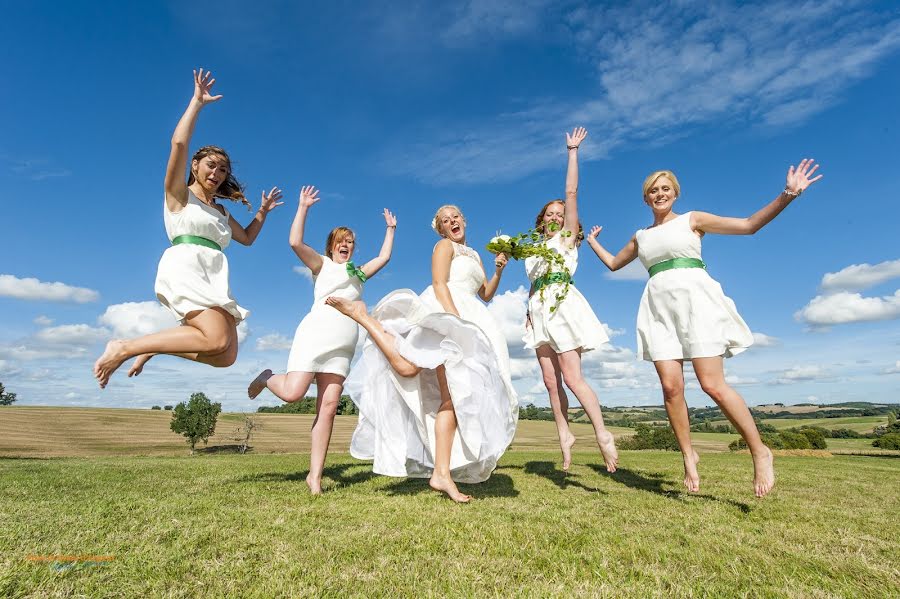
x=595, y=230
x=203, y=83
x=309, y=195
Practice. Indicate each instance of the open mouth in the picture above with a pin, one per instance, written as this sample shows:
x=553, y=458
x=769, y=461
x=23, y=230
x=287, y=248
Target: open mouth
x=344, y=252
x=455, y=229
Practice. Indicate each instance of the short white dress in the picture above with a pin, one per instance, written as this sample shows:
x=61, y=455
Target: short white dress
x=397, y=414
x=325, y=340
x=573, y=325
x=194, y=277
x=684, y=313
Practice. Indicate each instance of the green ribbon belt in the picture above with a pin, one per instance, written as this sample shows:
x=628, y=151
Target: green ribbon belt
x=356, y=272
x=675, y=263
x=552, y=277
x=196, y=241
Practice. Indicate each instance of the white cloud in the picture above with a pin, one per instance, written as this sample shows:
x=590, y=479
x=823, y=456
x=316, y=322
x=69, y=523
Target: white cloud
x=892, y=369
x=860, y=276
x=473, y=20
x=35, y=290
x=243, y=331
x=763, y=340
x=72, y=334
x=303, y=271
x=8, y=368
x=801, y=374
x=508, y=310
x=722, y=63
x=633, y=271
x=26, y=352
x=43, y=321
x=738, y=381
x=273, y=341
x=135, y=319
x=845, y=307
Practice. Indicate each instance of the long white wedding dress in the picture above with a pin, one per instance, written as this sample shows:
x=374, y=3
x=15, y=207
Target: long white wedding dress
x=397, y=414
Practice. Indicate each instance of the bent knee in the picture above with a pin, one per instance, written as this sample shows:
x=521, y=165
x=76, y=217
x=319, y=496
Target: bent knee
x=406, y=369
x=573, y=380
x=673, y=390
x=715, y=390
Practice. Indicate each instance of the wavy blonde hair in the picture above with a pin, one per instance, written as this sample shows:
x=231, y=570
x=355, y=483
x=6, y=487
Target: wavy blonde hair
x=436, y=223
x=651, y=179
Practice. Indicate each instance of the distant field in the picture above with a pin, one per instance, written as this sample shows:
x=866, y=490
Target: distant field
x=860, y=424
x=95, y=432
x=796, y=409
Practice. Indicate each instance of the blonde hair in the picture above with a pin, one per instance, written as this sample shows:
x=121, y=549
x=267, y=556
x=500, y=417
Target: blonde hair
x=649, y=181
x=539, y=221
x=436, y=222
x=337, y=235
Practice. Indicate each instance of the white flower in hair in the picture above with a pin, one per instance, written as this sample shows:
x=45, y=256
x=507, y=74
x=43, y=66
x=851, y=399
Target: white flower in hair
x=434, y=225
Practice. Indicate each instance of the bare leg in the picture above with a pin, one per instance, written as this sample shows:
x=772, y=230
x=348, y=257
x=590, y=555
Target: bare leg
x=559, y=403
x=209, y=336
x=444, y=430
x=671, y=377
x=138, y=365
x=288, y=387
x=384, y=340
x=329, y=387
x=711, y=374
x=570, y=365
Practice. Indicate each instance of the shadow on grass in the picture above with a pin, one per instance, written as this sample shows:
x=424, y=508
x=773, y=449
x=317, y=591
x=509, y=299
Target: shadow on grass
x=335, y=472
x=559, y=478
x=498, y=485
x=890, y=456
x=221, y=449
x=653, y=482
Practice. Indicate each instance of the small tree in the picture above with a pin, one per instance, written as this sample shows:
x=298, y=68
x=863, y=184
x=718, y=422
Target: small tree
x=6, y=399
x=156, y=408
x=242, y=433
x=196, y=420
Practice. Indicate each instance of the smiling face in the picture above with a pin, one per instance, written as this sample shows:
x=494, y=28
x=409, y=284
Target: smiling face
x=451, y=224
x=340, y=245
x=554, y=212
x=211, y=171
x=661, y=192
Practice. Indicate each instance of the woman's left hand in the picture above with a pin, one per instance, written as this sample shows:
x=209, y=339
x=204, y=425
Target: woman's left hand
x=389, y=219
x=270, y=200
x=798, y=180
x=500, y=261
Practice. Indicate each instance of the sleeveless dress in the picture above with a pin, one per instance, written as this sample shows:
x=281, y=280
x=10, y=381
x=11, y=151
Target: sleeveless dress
x=684, y=313
x=325, y=340
x=573, y=324
x=397, y=414
x=194, y=277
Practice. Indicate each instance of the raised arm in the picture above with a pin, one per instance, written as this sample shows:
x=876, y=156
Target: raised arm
x=309, y=195
x=175, y=184
x=440, y=274
x=489, y=287
x=247, y=235
x=573, y=140
x=387, y=246
x=797, y=181
x=625, y=255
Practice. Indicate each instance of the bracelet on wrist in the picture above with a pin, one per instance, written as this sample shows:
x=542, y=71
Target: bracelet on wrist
x=571, y=147
x=793, y=194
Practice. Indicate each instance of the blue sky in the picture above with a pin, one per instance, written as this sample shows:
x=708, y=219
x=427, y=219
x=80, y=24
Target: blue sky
x=410, y=105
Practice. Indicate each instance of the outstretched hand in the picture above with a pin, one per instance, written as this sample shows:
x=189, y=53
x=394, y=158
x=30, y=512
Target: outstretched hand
x=389, y=219
x=203, y=83
x=270, y=200
x=798, y=180
x=595, y=230
x=309, y=195
x=574, y=139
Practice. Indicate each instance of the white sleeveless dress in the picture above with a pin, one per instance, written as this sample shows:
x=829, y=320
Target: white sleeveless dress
x=573, y=325
x=326, y=339
x=684, y=313
x=397, y=414
x=194, y=277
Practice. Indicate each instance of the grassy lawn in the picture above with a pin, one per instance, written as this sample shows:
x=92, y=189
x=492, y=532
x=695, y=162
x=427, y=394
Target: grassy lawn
x=231, y=525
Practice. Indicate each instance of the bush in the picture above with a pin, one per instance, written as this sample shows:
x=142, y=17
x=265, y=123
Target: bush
x=6, y=399
x=647, y=437
x=889, y=441
x=196, y=420
x=307, y=405
x=156, y=408
x=844, y=433
x=169, y=408
x=805, y=438
x=532, y=412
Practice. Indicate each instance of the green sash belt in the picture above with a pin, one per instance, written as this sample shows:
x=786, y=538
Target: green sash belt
x=356, y=272
x=194, y=239
x=552, y=277
x=676, y=263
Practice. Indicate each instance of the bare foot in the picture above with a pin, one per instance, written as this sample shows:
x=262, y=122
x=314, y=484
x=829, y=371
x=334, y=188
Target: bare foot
x=138, y=365
x=445, y=484
x=258, y=384
x=607, y=444
x=691, y=477
x=763, y=473
x=353, y=309
x=112, y=358
x=315, y=485
x=565, y=444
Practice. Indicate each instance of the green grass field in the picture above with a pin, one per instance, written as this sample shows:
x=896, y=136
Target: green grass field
x=221, y=524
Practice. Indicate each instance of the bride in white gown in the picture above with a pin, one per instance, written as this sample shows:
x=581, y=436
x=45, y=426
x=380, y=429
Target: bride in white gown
x=433, y=383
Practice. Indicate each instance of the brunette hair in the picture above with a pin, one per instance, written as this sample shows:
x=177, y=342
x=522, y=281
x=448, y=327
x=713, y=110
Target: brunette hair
x=337, y=235
x=230, y=188
x=652, y=177
x=539, y=221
